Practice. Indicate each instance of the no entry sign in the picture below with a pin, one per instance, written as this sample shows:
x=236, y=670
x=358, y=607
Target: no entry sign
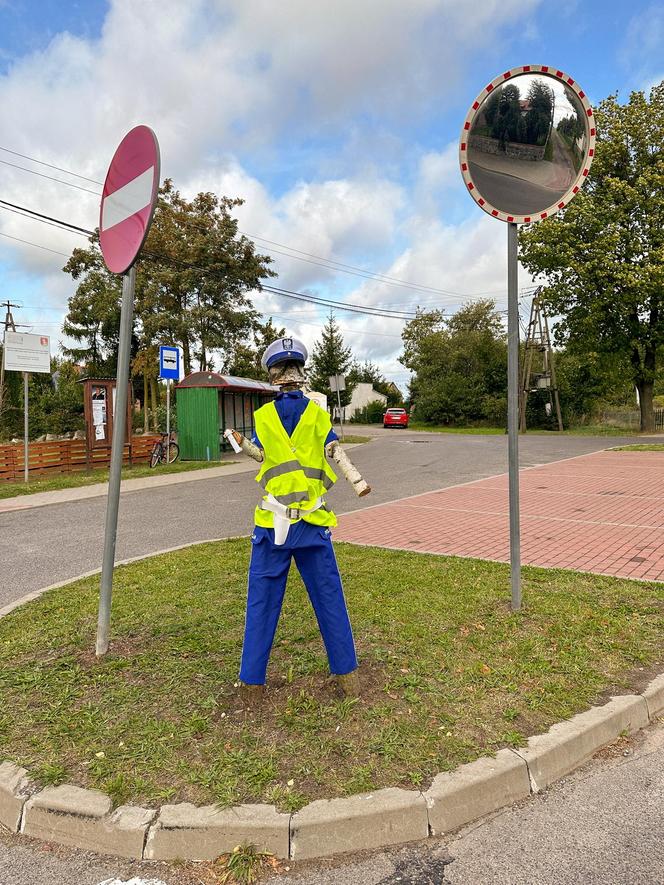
x=129, y=198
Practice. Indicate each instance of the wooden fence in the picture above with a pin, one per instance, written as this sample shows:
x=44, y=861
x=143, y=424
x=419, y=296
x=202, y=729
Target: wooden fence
x=65, y=456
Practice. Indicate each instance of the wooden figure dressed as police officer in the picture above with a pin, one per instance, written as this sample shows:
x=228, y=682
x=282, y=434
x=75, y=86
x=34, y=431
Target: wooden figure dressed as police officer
x=293, y=436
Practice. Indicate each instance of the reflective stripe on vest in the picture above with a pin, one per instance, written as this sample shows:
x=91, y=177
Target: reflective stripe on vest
x=295, y=469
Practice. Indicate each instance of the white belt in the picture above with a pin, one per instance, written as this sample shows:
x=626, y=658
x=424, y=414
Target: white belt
x=284, y=514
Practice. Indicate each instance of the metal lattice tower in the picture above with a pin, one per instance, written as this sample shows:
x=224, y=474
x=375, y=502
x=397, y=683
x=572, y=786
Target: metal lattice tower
x=538, y=371
x=9, y=325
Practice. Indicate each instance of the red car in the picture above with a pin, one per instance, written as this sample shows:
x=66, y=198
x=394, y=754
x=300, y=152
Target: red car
x=395, y=418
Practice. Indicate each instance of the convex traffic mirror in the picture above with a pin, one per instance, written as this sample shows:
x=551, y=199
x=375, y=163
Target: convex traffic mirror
x=527, y=144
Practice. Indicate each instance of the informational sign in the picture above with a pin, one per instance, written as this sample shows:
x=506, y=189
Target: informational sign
x=337, y=383
x=27, y=353
x=169, y=363
x=129, y=198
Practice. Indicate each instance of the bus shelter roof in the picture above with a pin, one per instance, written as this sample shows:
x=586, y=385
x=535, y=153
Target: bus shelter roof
x=230, y=383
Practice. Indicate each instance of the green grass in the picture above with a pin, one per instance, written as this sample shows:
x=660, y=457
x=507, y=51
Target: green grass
x=449, y=673
x=353, y=439
x=74, y=480
x=650, y=447
x=581, y=430
x=434, y=428
x=548, y=150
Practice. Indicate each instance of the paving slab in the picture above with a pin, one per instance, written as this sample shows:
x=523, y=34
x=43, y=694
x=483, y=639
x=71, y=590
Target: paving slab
x=187, y=831
x=602, y=512
x=368, y=820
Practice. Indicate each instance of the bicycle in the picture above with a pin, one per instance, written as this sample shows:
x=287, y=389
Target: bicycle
x=160, y=454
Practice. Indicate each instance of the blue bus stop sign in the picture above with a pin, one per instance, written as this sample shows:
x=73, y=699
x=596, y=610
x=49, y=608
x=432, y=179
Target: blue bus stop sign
x=169, y=363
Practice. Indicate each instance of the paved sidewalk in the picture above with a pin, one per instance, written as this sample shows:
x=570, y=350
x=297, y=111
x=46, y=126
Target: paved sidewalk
x=99, y=489
x=602, y=512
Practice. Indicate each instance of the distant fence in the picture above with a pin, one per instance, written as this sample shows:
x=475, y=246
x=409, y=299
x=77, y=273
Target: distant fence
x=65, y=456
x=630, y=418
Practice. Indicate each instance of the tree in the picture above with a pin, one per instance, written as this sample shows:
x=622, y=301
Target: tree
x=368, y=373
x=192, y=287
x=460, y=365
x=331, y=357
x=246, y=360
x=603, y=256
x=93, y=317
x=540, y=112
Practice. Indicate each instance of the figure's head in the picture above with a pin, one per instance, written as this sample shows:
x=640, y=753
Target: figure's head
x=284, y=361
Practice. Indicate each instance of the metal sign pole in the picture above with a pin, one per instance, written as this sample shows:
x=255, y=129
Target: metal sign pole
x=117, y=449
x=168, y=415
x=341, y=420
x=513, y=410
x=26, y=452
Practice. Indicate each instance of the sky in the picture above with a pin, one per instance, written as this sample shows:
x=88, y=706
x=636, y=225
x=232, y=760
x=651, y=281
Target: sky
x=337, y=121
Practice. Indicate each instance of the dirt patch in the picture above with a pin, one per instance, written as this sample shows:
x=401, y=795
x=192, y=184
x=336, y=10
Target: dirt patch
x=635, y=681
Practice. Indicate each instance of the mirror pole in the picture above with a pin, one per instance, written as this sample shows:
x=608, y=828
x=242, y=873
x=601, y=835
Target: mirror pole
x=513, y=410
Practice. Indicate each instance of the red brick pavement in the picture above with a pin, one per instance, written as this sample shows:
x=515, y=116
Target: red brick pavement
x=602, y=512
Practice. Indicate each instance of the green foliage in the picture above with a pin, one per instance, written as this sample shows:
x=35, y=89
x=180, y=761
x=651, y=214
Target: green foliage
x=331, y=357
x=603, y=256
x=245, y=361
x=460, y=365
x=507, y=121
x=372, y=413
x=192, y=286
x=368, y=373
x=244, y=864
x=55, y=402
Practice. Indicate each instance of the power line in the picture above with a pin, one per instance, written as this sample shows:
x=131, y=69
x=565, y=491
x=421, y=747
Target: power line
x=41, y=220
x=47, y=218
x=286, y=293
x=311, y=258
x=50, y=178
x=50, y=165
x=36, y=245
x=360, y=271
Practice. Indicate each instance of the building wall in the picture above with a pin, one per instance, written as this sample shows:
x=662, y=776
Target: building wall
x=362, y=395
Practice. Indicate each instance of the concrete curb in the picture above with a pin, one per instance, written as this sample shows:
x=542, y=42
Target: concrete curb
x=85, y=819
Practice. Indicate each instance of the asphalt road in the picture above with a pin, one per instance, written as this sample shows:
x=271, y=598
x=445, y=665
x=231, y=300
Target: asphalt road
x=44, y=545
x=511, y=194
x=604, y=825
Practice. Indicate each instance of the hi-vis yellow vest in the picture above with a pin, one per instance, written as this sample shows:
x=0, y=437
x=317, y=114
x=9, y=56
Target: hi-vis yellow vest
x=294, y=468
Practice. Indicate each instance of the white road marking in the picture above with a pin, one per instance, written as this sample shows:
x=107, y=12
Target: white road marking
x=127, y=200
x=134, y=881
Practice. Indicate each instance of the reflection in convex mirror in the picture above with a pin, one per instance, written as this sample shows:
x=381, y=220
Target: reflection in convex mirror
x=527, y=144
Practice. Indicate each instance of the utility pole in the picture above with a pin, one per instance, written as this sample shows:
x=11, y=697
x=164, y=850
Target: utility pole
x=538, y=348
x=11, y=326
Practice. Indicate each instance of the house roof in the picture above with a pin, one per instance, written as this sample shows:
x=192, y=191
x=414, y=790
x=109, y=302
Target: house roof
x=225, y=382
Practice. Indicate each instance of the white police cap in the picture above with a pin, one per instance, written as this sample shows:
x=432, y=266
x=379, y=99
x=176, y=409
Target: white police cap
x=282, y=350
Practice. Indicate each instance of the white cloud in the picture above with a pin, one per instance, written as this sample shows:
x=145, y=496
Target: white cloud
x=642, y=51
x=230, y=84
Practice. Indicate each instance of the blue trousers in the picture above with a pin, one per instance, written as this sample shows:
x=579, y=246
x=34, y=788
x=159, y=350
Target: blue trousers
x=311, y=547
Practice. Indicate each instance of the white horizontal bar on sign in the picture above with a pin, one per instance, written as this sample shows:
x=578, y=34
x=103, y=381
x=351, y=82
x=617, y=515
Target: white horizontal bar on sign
x=127, y=200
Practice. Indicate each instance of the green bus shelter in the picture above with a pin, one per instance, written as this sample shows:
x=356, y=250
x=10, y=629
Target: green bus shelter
x=208, y=403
